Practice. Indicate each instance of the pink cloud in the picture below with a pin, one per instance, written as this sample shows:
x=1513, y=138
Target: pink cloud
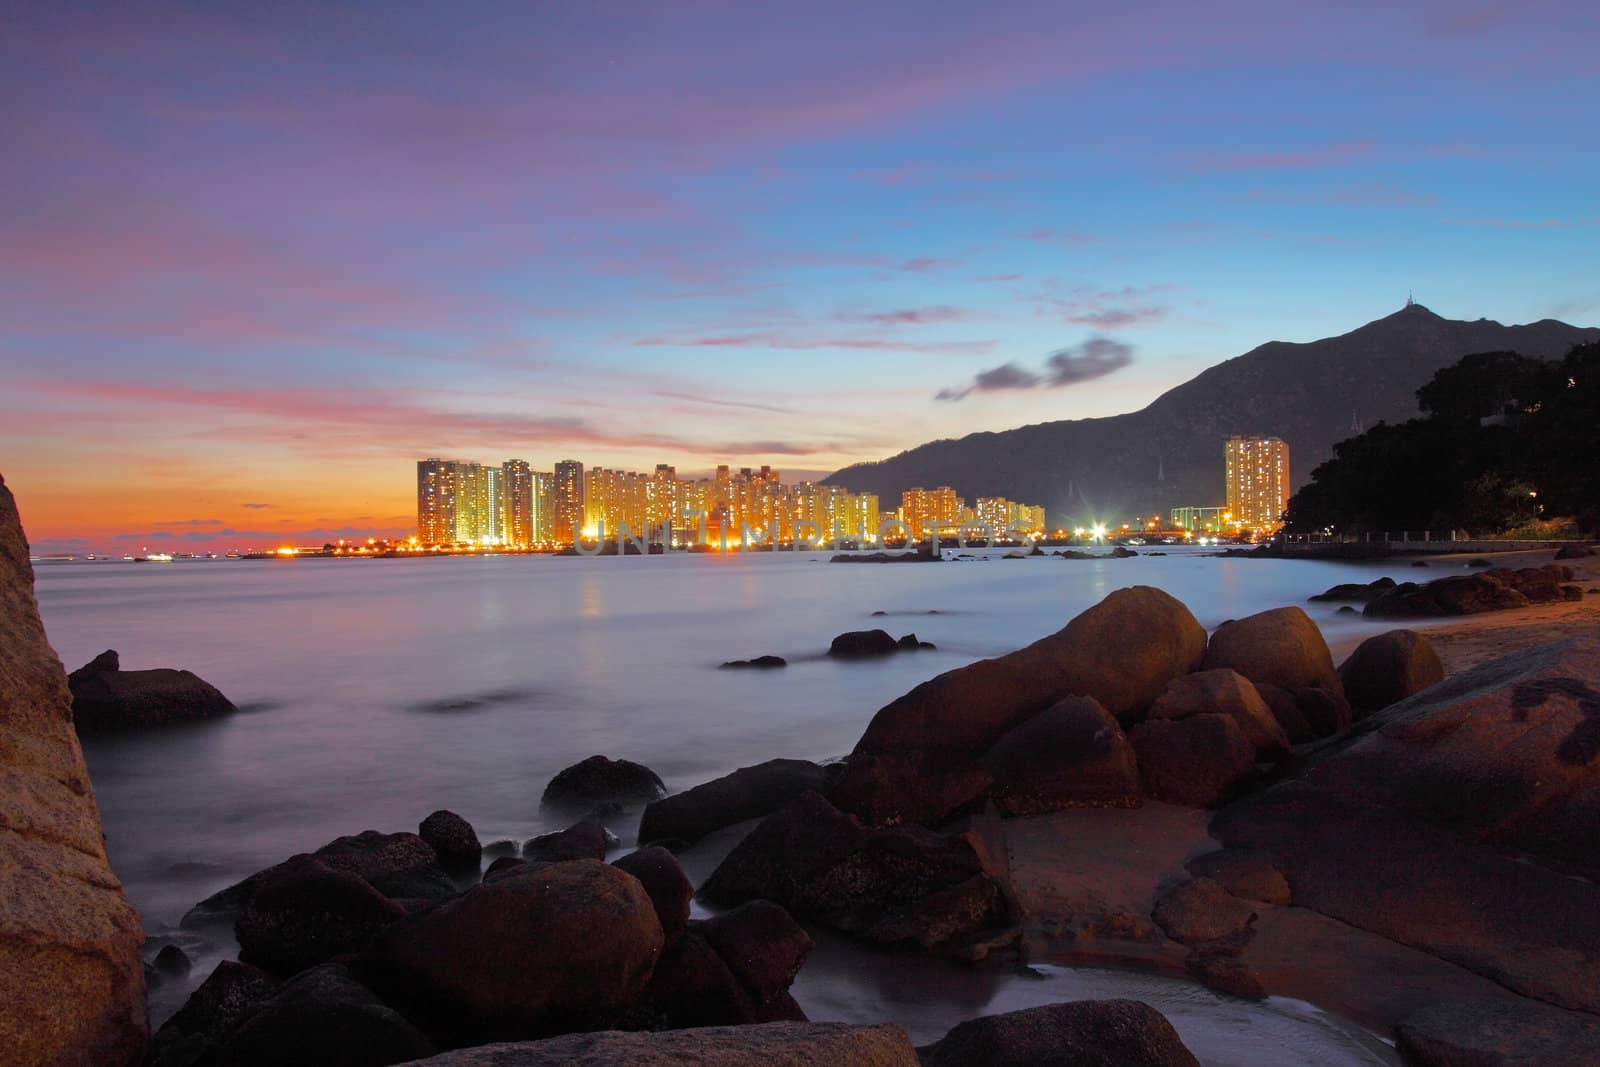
x=784, y=341
x=908, y=316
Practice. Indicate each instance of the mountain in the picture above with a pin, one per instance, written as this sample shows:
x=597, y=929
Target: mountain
x=1169, y=454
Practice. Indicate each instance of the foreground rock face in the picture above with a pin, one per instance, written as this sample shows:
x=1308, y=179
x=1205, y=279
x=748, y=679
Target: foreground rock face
x=747, y=793
x=544, y=949
x=1476, y=800
x=772, y=1045
x=1493, y=1032
x=897, y=885
x=105, y=697
x=71, y=976
x=919, y=760
x=1084, y=1033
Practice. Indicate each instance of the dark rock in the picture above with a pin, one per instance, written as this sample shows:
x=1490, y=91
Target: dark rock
x=1386, y=669
x=501, y=866
x=599, y=779
x=762, y=945
x=1198, y=762
x=1574, y=551
x=228, y=996
x=875, y=614
x=1498, y=1033
x=1226, y=974
x=747, y=793
x=1281, y=647
x=304, y=912
x=1347, y=610
x=1479, y=563
x=919, y=758
x=1357, y=590
x=885, y=557
x=502, y=848
x=1477, y=801
x=1245, y=873
x=764, y=663
x=544, y=949
x=669, y=889
x=1284, y=709
x=1328, y=713
x=1471, y=594
x=1224, y=692
x=1071, y=755
x=172, y=962
x=1122, y=553
x=893, y=885
x=859, y=644
x=1419, y=563
x=106, y=698
x=453, y=840
x=909, y=643
x=582, y=840
x=1200, y=910
x=1083, y=1033
x=785, y=1044
x=324, y=1017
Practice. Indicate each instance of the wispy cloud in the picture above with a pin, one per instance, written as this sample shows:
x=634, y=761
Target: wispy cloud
x=1342, y=154
x=1094, y=358
x=191, y=522
x=256, y=506
x=1105, y=309
x=803, y=344
x=907, y=316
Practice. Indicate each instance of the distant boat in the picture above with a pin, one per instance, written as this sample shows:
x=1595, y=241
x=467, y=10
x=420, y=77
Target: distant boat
x=51, y=559
x=155, y=557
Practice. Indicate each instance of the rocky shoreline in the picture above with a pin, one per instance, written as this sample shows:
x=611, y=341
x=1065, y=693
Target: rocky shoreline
x=1411, y=850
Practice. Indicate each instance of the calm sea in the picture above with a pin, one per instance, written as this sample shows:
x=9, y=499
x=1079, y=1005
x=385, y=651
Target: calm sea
x=375, y=691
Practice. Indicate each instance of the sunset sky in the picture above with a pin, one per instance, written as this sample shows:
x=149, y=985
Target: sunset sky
x=257, y=259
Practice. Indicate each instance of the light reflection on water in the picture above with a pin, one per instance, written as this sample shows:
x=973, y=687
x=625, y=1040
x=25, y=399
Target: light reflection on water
x=389, y=688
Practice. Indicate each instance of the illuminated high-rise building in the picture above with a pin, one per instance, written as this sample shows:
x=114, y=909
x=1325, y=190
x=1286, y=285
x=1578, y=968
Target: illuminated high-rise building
x=543, y=522
x=436, y=501
x=516, y=479
x=1258, y=481
x=566, y=499
x=926, y=510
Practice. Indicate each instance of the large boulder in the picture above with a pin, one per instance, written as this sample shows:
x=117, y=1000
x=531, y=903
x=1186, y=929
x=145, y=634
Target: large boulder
x=72, y=983
x=545, y=949
x=1198, y=762
x=1224, y=692
x=453, y=840
x=304, y=912
x=1454, y=822
x=1082, y=1033
x=1386, y=669
x=105, y=697
x=893, y=885
x=734, y=968
x=748, y=793
x=323, y=1018
x=1071, y=755
x=772, y=1045
x=669, y=889
x=1281, y=647
x=862, y=644
x=1496, y=1033
x=600, y=780
x=229, y=995
x=919, y=760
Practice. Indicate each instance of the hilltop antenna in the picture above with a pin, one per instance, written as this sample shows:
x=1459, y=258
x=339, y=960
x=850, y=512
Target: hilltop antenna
x=1409, y=301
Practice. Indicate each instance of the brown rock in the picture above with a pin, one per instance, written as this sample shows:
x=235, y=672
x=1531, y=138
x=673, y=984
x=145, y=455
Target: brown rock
x=1281, y=647
x=1468, y=1033
x=1329, y=713
x=1071, y=755
x=107, y=698
x=585, y=839
x=1288, y=714
x=229, y=995
x=1471, y=594
x=668, y=887
x=892, y=885
x=1386, y=669
x=1198, y=762
x=918, y=760
x=1224, y=692
x=545, y=949
x=761, y=944
x=771, y=1045
x=71, y=974
x=304, y=912
x=862, y=644
x=600, y=779
x=1226, y=974
x=1452, y=822
x=1083, y=1033
x=453, y=840
x=1200, y=910
x=1245, y=873
x=747, y=793
x=323, y=1017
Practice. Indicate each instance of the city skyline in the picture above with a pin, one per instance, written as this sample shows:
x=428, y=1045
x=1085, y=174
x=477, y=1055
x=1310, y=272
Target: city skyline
x=255, y=253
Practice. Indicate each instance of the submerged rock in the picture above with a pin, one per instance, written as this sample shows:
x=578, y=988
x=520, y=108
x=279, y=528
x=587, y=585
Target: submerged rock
x=860, y=644
x=761, y=663
x=105, y=697
x=72, y=983
x=748, y=793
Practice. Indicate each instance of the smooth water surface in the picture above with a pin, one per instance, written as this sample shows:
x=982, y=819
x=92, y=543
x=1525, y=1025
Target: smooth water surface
x=376, y=691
